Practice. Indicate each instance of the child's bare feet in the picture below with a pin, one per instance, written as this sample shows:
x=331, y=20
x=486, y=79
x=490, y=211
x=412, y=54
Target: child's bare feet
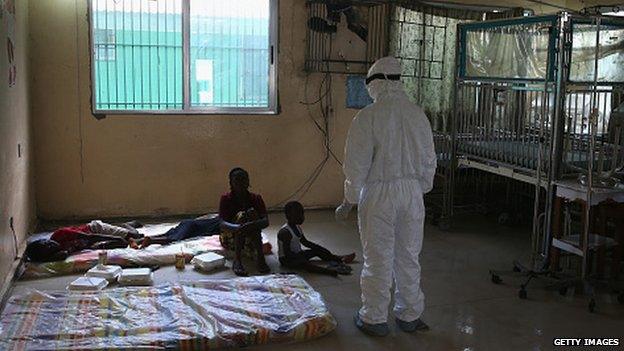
x=146, y=242
x=133, y=244
x=348, y=258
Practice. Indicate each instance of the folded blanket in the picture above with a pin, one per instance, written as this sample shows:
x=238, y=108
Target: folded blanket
x=186, y=316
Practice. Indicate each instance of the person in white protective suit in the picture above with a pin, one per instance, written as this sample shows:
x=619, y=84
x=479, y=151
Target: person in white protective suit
x=389, y=164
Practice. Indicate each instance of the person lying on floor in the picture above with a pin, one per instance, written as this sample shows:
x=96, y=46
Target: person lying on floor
x=189, y=228
x=290, y=238
x=93, y=235
x=243, y=216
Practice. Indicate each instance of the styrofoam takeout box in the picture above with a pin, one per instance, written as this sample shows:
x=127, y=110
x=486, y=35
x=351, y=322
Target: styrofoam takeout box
x=136, y=276
x=208, y=261
x=88, y=283
x=109, y=273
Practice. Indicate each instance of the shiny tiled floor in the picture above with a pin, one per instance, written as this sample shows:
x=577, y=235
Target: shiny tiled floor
x=464, y=309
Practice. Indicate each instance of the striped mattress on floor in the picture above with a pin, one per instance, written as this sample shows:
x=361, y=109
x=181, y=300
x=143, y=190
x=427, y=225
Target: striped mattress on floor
x=198, y=315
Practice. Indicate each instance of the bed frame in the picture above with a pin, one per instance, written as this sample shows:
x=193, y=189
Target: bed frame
x=535, y=127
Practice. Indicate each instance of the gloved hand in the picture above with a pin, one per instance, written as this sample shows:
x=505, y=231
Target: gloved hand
x=342, y=211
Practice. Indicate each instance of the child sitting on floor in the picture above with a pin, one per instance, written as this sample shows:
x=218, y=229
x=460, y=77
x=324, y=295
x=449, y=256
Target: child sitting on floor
x=291, y=255
x=94, y=235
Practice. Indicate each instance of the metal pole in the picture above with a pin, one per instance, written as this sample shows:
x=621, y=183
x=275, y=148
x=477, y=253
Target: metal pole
x=545, y=115
x=455, y=120
x=593, y=115
x=186, y=50
x=558, y=124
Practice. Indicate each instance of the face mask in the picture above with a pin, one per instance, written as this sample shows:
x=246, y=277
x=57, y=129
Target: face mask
x=375, y=88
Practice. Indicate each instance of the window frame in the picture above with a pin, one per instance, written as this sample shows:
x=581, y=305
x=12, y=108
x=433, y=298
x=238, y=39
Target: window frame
x=187, y=108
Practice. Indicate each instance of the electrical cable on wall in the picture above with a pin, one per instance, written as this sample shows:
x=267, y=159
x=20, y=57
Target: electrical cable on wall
x=325, y=102
x=15, y=244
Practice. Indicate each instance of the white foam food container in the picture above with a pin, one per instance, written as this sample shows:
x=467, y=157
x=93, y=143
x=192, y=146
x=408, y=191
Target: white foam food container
x=208, y=261
x=88, y=284
x=109, y=273
x=136, y=276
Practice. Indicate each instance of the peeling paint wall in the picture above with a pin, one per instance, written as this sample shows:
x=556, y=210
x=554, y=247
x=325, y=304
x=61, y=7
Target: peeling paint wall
x=171, y=164
x=16, y=165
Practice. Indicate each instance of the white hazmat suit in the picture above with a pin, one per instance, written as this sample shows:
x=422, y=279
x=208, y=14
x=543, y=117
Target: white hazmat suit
x=389, y=164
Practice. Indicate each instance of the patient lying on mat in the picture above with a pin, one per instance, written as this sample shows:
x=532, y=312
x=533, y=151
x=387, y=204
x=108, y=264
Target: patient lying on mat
x=290, y=239
x=93, y=235
x=189, y=228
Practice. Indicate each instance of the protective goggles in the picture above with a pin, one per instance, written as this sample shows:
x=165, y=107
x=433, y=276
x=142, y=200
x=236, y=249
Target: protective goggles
x=382, y=76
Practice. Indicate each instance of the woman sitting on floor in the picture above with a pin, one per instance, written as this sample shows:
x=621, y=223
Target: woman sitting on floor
x=243, y=216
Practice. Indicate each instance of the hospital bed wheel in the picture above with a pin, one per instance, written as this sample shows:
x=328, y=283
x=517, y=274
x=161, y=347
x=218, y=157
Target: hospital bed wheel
x=563, y=291
x=592, y=306
x=620, y=298
x=496, y=279
x=522, y=293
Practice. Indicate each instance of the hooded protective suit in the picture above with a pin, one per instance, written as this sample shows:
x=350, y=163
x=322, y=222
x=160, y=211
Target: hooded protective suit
x=389, y=164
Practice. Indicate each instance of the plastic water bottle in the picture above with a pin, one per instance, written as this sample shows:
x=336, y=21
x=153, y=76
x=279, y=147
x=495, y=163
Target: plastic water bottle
x=102, y=258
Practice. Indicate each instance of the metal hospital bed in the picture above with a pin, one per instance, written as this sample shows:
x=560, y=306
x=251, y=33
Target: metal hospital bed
x=538, y=100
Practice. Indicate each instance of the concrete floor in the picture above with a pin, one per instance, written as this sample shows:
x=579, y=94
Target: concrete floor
x=464, y=309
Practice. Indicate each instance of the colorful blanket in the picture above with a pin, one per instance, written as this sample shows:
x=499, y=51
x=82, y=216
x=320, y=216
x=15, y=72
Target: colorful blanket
x=150, y=256
x=199, y=315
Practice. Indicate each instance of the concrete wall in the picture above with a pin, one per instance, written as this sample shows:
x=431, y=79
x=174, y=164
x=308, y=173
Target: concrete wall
x=159, y=165
x=16, y=185
x=172, y=164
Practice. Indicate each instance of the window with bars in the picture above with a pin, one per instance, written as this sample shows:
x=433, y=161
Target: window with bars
x=184, y=56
